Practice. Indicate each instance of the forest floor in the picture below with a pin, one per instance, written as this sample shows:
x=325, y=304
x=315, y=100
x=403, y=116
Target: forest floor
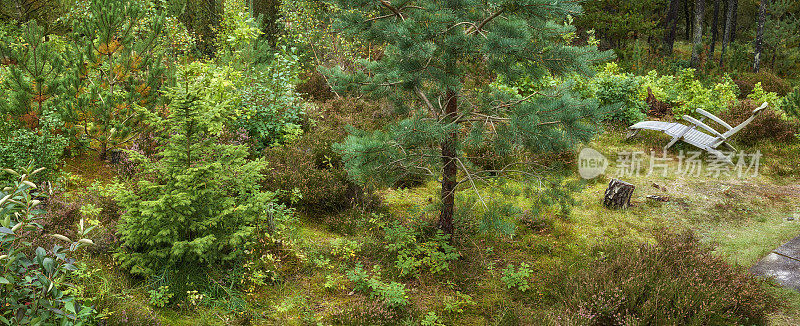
x=744, y=218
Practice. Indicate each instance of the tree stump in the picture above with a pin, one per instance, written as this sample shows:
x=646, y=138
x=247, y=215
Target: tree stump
x=618, y=194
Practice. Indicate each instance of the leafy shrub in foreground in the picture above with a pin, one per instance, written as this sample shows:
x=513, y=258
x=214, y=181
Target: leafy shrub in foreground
x=392, y=294
x=675, y=282
x=33, y=281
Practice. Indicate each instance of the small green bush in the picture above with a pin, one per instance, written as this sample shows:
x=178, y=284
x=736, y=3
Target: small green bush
x=414, y=253
x=517, y=277
x=677, y=281
x=392, y=294
x=760, y=95
x=22, y=146
x=619, y=91
x=791, y=103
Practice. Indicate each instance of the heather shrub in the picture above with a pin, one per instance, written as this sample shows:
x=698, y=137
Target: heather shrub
x=769, y=125
x=364, y=310
x=769, y=81
x=312, y=169
x=676, y=281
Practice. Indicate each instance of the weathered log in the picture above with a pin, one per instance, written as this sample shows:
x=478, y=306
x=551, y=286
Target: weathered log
x=618, y=194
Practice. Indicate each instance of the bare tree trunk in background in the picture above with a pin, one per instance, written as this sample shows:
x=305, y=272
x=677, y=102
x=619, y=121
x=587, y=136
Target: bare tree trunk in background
x=735, y=19
x=671, y=25
x=697, y=39
x=269, y=13
x=726, y=35
x=449, y=170
x=203, y=17
x=687, y=16
x=714, y=23
x=762, y=16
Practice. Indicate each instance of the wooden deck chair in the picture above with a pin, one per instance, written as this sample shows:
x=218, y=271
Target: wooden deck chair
x=694, y=137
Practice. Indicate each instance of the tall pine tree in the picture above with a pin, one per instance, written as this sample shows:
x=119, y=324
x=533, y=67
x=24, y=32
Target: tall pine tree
x=436, y=57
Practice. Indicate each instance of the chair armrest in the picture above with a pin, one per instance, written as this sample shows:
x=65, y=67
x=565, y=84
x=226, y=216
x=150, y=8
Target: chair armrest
x=714, y=118
x=703, y=125
x=762, y=107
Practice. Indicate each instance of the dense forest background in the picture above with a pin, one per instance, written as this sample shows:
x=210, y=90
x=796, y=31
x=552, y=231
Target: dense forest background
x=362, y=162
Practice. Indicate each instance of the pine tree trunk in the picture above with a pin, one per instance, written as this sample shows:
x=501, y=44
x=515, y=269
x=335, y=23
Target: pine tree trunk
x=697, y=39
x=671, y=26
x=449, y=170
x=762, y=16
x=714, y=28
x=103, y=152
x=726, y=35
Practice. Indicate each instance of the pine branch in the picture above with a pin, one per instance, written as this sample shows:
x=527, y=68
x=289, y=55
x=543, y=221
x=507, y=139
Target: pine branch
x=483, y=23
x=393, y=9
x=427, y=102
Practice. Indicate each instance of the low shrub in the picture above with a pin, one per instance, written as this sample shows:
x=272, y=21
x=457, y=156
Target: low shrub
x=310, y=164
x=391, y=294
x=769, y=125
x=619, y=91
x=517, y=277
x=415, y=253
x=364, y=310
x=677, y=281
x=769, y=81
x=308, y=167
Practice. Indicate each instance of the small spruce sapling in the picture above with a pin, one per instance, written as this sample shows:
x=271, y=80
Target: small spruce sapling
x=201, y=202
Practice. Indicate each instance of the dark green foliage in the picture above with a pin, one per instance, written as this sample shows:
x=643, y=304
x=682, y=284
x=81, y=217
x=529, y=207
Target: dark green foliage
x=44, y=12
x=675, y=282
x=33, y=280
x=203, y=18
x=618, y=22
x=201, y=202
